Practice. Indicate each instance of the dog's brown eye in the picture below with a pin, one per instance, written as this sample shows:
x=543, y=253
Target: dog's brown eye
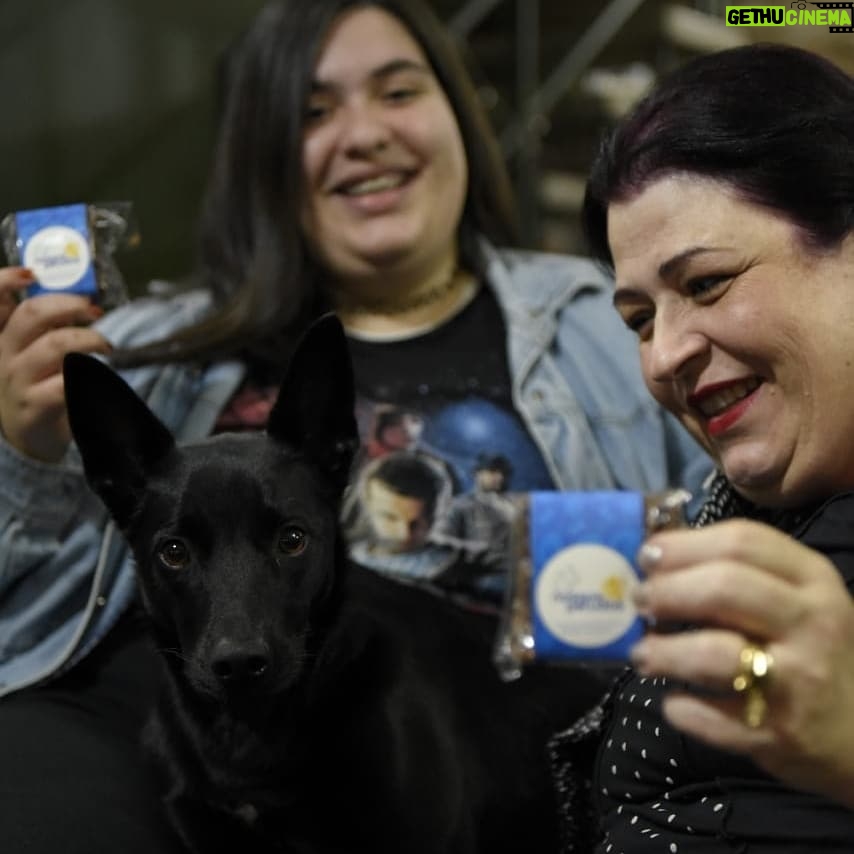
x=292, y=540
x=173, y=554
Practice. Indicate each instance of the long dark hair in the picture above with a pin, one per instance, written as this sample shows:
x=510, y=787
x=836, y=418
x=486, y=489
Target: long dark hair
x=773, y=123
x=253, y=256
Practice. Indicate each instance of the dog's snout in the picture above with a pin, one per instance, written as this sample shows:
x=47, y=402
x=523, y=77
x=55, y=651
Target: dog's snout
x=240, y=661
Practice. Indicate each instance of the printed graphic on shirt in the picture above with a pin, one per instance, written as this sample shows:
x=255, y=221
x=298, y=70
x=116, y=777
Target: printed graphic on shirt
x=441, y=447
x=428, y=499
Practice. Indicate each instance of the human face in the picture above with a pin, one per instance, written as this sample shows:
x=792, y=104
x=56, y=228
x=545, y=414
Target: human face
x=744, y=334
x=403, y=434
x=384, y=168
x=489, y=480
x=400, y=522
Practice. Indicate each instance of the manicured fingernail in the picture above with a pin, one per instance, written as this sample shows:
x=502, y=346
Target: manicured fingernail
x=649, y=555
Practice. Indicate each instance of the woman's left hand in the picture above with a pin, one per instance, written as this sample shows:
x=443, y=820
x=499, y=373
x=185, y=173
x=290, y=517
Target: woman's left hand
x=746, y=583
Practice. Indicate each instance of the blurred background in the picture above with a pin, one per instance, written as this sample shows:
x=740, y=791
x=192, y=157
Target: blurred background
x=113, y=99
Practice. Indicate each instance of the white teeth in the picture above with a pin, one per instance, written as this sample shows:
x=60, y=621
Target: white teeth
x=374, y=185
x=720, y=400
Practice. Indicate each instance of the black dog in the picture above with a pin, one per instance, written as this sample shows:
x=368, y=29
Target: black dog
x=310, y=705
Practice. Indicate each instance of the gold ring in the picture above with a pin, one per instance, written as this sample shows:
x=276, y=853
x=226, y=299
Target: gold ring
x=754, y=667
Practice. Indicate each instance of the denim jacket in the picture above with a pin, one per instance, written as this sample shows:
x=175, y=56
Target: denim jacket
x=66, y=573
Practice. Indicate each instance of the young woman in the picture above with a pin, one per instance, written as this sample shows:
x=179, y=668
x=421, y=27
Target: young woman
x=355, y=172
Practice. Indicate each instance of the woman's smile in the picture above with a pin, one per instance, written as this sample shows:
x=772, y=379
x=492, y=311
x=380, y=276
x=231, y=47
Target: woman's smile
x=738, y=325
x=376, y=193
x=723, y=404
x=373, y=180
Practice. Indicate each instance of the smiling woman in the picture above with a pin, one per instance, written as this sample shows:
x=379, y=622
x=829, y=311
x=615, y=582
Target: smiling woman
x=725, y=205
x=705, y=267
x=355, y=171
x=397, y=209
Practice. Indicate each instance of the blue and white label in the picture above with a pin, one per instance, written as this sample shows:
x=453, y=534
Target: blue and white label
x=54, y=244
x=582, y=595
x=583, y=547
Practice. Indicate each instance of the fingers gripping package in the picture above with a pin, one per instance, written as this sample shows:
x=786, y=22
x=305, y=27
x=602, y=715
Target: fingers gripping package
x=70, y=248
x=572, y=570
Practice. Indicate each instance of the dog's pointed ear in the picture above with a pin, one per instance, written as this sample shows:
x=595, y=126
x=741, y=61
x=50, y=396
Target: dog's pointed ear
x=314, y=410
x=118, y=436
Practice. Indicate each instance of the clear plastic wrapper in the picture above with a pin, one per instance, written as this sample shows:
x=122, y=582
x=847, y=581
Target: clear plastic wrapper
x=71, y=248
x=571, y=574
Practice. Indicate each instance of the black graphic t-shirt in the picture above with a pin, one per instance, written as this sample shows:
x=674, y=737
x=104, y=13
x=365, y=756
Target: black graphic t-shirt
x=441, y=446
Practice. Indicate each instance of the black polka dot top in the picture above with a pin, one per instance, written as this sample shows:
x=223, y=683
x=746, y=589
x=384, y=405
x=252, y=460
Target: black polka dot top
x=659, y=791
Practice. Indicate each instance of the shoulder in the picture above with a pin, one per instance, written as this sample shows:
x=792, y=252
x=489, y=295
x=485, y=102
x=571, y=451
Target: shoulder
x=544, y=283
x=553, y=263
x=561, y=271
x=571, y=294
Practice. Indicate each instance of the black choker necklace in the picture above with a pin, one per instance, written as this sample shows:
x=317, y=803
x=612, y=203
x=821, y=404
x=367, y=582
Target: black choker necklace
x=390, y=306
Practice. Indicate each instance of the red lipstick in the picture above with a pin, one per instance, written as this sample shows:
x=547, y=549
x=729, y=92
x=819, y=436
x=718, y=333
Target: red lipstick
x=718, y=424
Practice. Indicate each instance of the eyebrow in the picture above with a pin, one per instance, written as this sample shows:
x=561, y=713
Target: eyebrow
x=665, y=271
x=672, y=265
x=387, y=69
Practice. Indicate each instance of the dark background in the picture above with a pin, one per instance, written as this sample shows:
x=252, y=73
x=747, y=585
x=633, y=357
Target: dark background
x=113, y=99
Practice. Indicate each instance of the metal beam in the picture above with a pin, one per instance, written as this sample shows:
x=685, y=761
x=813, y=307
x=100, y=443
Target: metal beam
x=470, y=15
x=568, y=70
x=527, y=164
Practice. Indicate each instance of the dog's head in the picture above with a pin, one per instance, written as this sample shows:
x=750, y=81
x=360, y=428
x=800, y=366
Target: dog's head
x=235, y=537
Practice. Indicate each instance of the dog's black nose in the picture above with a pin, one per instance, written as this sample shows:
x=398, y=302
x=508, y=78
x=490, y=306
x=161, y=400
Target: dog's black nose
x=240, y=661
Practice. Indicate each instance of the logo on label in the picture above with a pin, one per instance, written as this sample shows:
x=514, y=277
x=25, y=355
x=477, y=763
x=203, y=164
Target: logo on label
x=582, y=595
x=58, y=255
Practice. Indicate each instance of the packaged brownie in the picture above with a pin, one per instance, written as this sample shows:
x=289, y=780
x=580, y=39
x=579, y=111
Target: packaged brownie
x=71, y=248
x=572, y=569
